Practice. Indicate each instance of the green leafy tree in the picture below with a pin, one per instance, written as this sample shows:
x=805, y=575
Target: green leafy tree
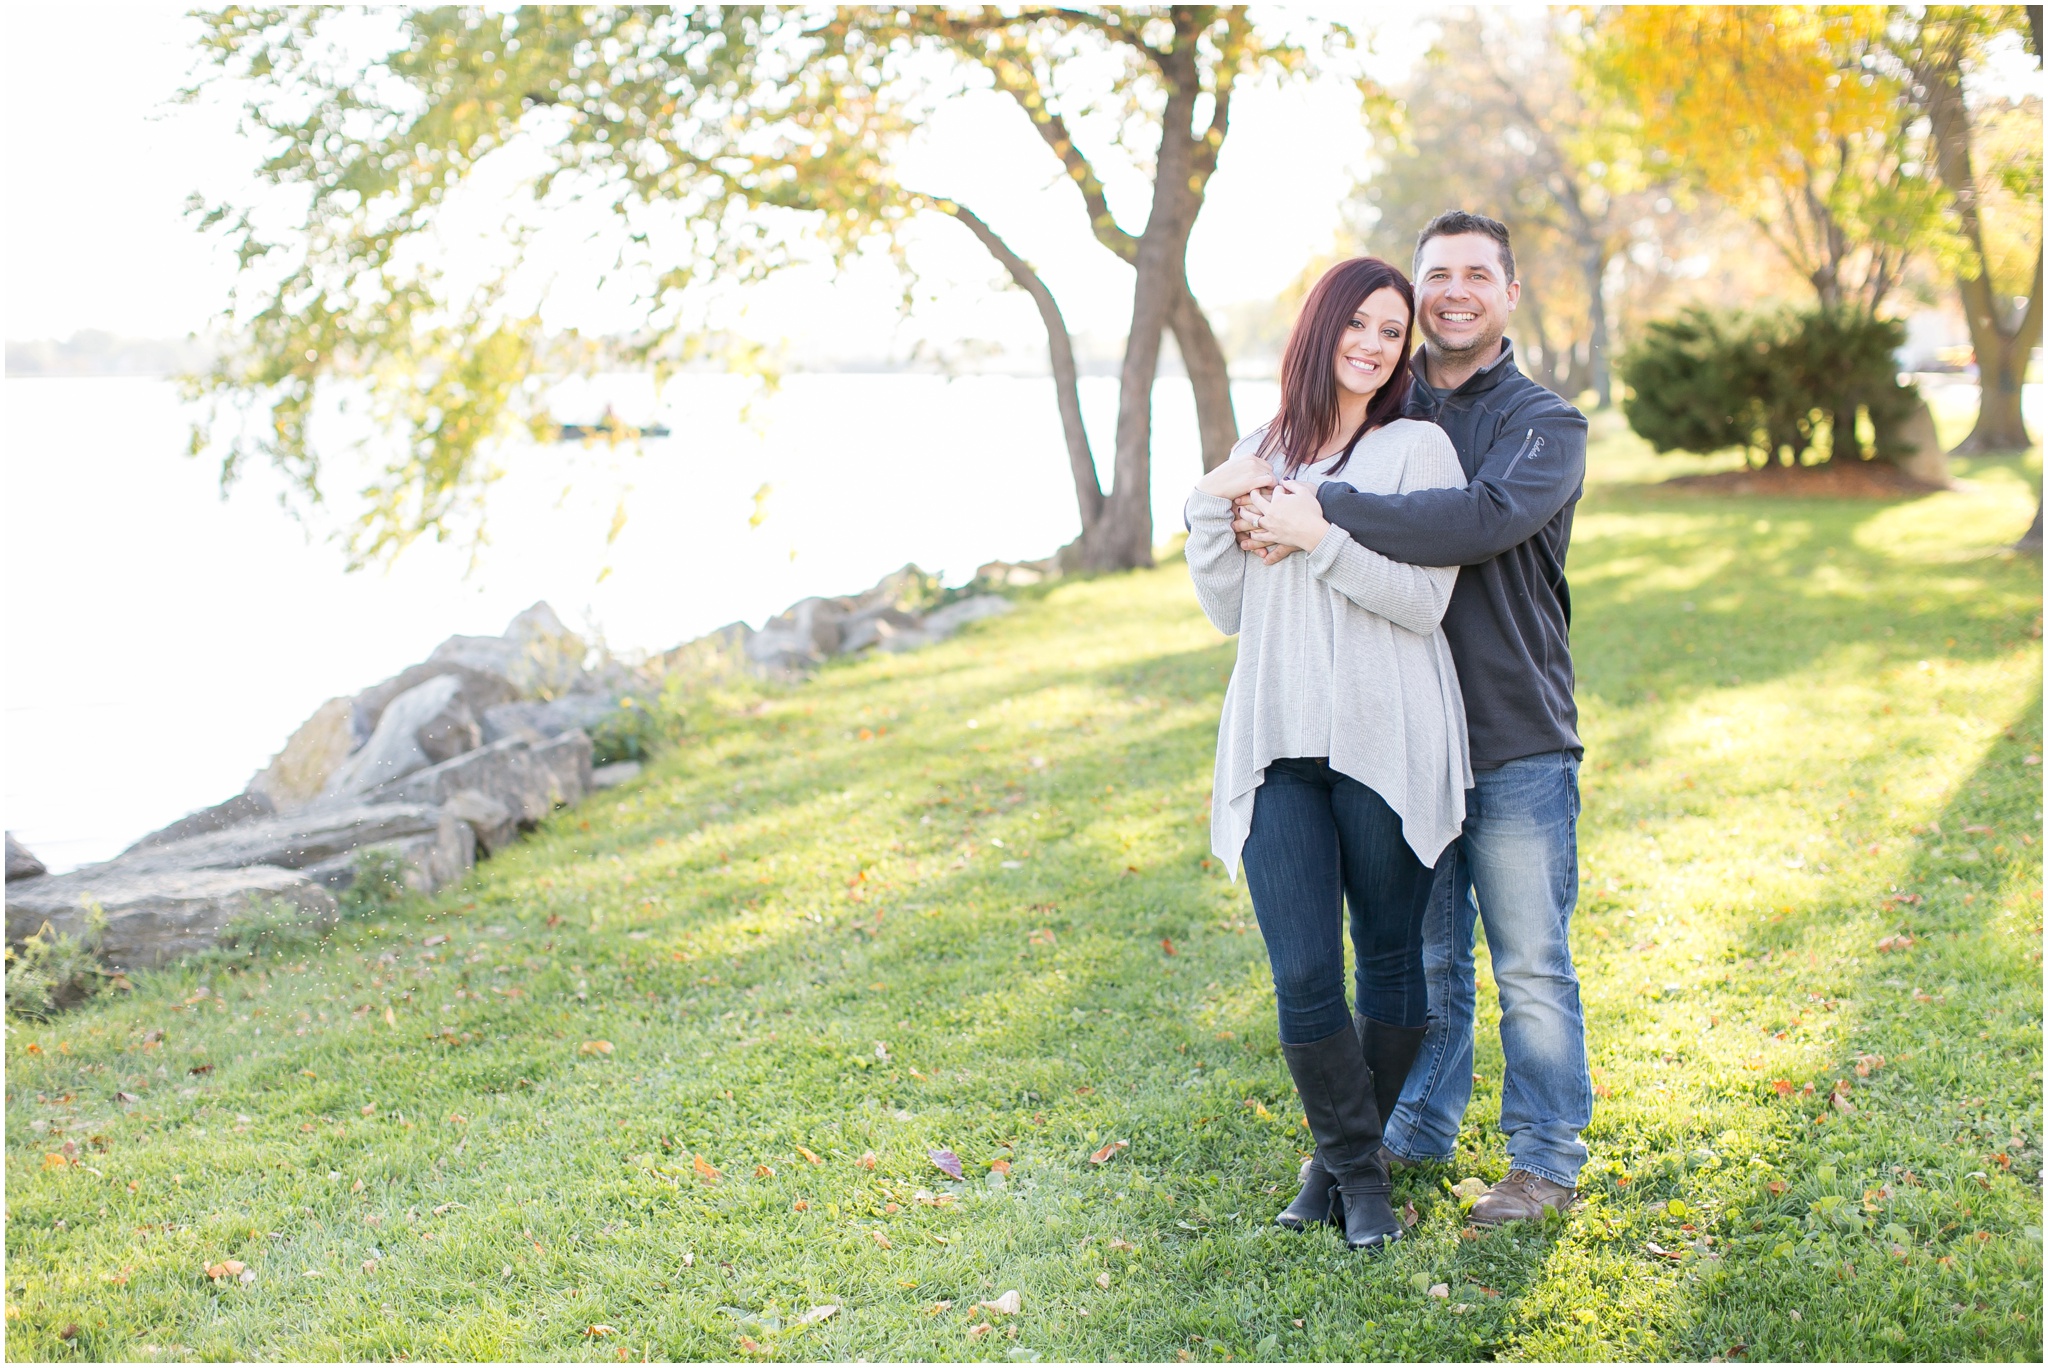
x=721, y=144
x=1988, y=156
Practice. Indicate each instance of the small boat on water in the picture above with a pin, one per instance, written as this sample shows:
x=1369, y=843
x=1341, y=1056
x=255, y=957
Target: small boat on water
x=608, y=429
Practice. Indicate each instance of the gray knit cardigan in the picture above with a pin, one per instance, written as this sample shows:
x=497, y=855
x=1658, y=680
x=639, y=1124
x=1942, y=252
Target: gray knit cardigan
x=1339, y=654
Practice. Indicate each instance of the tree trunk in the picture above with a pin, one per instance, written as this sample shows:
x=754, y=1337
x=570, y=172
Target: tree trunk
x=1122, y=540
x=2001, y=341
x=1065, y=377
x=2031, y=542
x=1208, y=376
x=1595, y=266
x=2001, y=365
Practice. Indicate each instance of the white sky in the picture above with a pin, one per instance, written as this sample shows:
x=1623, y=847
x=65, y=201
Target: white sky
x=98, y=172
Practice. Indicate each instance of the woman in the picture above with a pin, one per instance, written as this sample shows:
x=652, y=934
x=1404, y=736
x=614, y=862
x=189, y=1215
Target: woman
x=1341, y=765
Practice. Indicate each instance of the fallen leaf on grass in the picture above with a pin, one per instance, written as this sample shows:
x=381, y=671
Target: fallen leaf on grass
x=127, y=1097
x=198, y=1070
x=1469, y=1189
x=1441, y=1291
x=1661, y=1252
x=881, y=1239
x=1868, y=1064
x=445, y=1208
x=1844, y=1105
x=763, y=1171
x=1122, y=1246
x=1108, y=1151
x=1409, y=1215
x=809, y=1157
x=1009, y=1304
x=816, y=1314
x=1167, y=945
x=948, y=1163
x=595, y=1047
x=1102, y=1281
x=704, y=1170
x=599, y=1332
x=226, y=1268
x=999, y=1166
x=369, y=1265
x=867, y=1160
x=1776, y=1187
x=1782, y=1086
x=937, y=1308
x=978, y=1330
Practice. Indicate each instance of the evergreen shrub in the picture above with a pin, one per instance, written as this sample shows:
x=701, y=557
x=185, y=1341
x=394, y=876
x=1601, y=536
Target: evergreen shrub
x=1771, y=383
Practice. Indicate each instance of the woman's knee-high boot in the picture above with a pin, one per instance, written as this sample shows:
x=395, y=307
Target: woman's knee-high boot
x=1389, y=1053
x=1337, y=1094
x=1316, y=1204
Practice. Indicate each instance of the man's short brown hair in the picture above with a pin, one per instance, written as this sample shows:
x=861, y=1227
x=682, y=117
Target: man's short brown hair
x=1455, y=223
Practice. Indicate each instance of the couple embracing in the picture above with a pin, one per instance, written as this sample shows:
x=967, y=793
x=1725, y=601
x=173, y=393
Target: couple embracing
x=1399, y=734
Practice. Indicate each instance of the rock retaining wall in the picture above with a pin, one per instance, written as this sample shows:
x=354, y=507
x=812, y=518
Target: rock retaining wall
x=447, y=760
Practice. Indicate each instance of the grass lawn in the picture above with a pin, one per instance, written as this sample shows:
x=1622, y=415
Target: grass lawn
x=664, y=1078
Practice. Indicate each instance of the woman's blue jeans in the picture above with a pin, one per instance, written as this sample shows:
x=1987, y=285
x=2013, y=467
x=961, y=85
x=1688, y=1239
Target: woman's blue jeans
x=1318, y=840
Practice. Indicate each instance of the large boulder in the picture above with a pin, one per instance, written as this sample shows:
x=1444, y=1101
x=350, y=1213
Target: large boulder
x=540, y=721
x=296, y=774
x=422, y=727
x=941, y=623
x=803, y=636
x=153, y=918
x=243, y=807
x=892, y=629
x=480, y=689
x=293, y=841
x=20, y=863
x=1916, y=450
x=566, y=762
x=540, y=656
x=425, y=863
x=505, y=774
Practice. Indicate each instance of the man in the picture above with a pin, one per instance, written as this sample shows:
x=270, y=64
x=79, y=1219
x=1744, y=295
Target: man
x=1524, y=453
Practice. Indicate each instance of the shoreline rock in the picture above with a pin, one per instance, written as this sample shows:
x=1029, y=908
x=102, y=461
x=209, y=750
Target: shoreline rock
x=449, y=759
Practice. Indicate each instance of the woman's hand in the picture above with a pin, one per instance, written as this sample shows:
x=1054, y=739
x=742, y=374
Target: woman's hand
x=1292, y=517
x=1237, y=477
x=1250, y=538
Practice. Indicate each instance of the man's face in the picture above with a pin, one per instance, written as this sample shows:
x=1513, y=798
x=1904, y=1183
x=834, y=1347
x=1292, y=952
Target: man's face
x=1462, y=296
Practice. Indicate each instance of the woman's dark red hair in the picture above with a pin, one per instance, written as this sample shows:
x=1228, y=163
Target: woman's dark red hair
x=1308, y=383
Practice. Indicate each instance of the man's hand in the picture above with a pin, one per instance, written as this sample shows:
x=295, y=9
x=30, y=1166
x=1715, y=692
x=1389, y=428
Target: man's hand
x=1251, y=538
x=1292, y=517
x=1237, y=477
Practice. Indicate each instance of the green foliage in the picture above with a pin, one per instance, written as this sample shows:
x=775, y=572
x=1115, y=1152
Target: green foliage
x=51, y=971
x=379, y=885
x=632, y=731
x=1775, y=784
x=722, y=143
x=1769, y=383
x=277, y=928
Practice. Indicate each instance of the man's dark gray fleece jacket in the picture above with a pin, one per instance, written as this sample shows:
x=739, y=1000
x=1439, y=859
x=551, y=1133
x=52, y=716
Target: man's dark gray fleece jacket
x=1509, y=623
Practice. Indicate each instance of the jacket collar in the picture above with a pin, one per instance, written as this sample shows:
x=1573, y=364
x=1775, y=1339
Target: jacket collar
x=1485, y=378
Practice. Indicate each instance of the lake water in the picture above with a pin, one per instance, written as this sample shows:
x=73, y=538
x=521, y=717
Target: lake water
x=162, y=643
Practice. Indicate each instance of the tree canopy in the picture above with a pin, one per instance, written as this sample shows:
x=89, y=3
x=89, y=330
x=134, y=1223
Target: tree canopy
x=722, y=143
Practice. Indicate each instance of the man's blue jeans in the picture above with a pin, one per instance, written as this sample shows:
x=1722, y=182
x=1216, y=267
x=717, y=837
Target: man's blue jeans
x=1520, y=855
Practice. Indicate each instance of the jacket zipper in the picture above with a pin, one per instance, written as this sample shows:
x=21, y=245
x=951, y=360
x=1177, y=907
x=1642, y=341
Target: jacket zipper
x=1529, y=440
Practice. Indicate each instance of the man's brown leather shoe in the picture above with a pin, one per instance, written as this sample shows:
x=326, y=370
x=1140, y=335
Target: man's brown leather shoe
x=1521, y=1196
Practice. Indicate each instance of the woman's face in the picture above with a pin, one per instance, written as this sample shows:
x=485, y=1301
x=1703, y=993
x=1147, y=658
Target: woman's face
x=1372, y=341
